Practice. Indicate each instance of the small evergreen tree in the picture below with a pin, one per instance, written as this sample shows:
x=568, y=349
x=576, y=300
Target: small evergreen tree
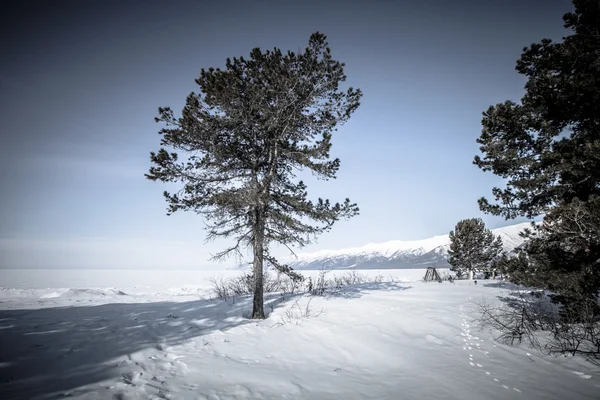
x=473, y=248
x=244, y=136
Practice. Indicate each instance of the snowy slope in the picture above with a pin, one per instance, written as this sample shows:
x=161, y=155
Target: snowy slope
x=373, y=341
x=397, y=253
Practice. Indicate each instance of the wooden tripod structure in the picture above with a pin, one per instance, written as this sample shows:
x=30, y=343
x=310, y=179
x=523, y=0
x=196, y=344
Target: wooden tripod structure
x=432, y=275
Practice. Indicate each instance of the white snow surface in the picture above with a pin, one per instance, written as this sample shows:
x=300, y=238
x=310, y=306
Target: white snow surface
x=147, y=339
x=509, y=234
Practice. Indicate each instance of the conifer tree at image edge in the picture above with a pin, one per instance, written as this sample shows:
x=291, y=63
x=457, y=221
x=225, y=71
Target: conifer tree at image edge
x=547, y=148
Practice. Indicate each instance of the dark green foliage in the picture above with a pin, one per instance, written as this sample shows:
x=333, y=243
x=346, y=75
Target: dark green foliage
x=473, y=248
x=563, y=254
x=247, y=132
x=547, y=147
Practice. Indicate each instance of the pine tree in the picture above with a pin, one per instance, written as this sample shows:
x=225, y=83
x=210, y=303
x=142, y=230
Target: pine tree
x=473, y=248
x=244, y=136
x=547, y=148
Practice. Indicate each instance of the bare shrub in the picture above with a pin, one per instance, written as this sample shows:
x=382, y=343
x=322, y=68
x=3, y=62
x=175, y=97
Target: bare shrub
x=243, y=285
x=321, y=283
x=353, y=277
x=289, y=285
x=517, y=320
x=531, y=317
x=296, y=313
x=219, y=288
x=577, y=331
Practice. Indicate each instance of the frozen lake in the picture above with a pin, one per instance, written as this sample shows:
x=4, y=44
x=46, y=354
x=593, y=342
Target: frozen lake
x=151, y=278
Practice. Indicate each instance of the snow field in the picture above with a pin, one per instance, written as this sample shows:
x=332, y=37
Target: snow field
x=409, y=340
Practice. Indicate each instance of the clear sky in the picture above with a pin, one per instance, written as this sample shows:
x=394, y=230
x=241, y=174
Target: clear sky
x=81, y=81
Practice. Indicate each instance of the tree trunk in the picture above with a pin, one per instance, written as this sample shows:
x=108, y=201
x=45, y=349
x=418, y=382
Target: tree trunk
x=470, y=274
x=258, y=311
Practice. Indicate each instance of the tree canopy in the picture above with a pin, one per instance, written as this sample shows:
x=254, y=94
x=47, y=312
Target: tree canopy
x=547, y=147
x=473, y=248
x=245, y=135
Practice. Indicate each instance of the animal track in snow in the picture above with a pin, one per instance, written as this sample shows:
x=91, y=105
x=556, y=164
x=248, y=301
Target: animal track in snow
x=472, y=365
x=479, y=365
x=582, y=375
x=516, y=390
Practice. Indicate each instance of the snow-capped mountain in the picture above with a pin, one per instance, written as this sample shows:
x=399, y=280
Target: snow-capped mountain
x=397, y=253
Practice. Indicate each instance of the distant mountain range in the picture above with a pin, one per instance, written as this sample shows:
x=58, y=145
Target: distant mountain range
x=396, y=254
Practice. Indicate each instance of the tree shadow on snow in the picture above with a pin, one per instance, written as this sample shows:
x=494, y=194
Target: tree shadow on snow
x=45, y=353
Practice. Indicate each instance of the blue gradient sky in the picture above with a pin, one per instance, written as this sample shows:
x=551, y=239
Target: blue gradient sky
x=81, y=83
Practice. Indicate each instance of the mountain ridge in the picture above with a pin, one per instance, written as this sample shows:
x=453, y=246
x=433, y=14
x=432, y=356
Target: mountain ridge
x=396, y=254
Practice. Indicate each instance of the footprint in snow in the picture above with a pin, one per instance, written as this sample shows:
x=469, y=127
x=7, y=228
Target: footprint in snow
x=479, y=365
x=505, y=387
x=495, y=379
x=472, y=365
x=487, y=372
x=434, y=340
x=582, y=375
x=516, y=390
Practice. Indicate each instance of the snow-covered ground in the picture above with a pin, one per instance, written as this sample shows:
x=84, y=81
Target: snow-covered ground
x=160, y=339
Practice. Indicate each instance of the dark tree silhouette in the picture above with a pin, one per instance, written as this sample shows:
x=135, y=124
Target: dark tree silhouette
x=251, y=127
x=473, y=248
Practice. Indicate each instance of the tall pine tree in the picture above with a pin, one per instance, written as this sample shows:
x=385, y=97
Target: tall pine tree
x=547, y=147
x=473, y=248
x=244, y=136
